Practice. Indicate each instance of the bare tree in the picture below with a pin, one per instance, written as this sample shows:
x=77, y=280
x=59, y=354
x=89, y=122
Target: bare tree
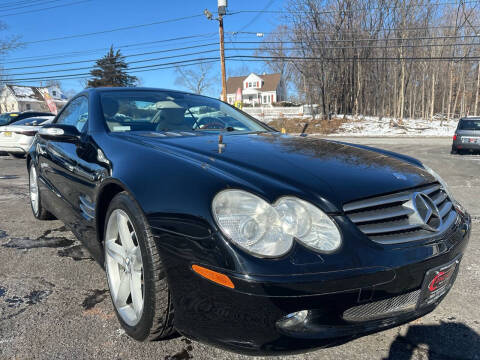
x=198, y=78
x=392, y=58
x=7, y=44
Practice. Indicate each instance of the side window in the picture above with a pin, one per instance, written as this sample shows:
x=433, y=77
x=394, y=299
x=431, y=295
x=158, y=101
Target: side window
x=76, y=114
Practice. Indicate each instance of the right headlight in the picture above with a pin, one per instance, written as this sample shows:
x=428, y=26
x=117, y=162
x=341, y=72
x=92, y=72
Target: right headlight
x=267, y=230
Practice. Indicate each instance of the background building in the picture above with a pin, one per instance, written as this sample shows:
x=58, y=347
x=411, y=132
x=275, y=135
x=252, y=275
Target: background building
x=256, y=89
x=26, y=98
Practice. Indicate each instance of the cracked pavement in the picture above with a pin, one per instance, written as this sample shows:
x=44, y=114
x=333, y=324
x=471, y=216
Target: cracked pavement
x=54, y=302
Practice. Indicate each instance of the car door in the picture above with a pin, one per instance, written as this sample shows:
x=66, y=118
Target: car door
x=73, y=171
x=58, y=158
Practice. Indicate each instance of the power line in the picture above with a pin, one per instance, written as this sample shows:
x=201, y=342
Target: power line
x=113, y=30
x=30, y=59
x=82, y=76
x=16, y=3
x=325, y=59
x=29, y=5
x=255, y=58
x=446, y=37
x=132, y=62
x=257, y=15
x=73, y=54
x=126, y=56
x=232, y=49
x=343, y=31
x=198, y=53
x=369, y=46
x=135, y=69
x=235, y=12
x=47, y=8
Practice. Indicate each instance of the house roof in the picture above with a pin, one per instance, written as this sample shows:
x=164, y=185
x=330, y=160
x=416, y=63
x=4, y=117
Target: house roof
x=29, y=93
x=271, y=82
x=25, y=93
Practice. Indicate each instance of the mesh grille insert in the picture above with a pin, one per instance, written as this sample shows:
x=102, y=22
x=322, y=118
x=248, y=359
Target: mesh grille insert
x=383, y=308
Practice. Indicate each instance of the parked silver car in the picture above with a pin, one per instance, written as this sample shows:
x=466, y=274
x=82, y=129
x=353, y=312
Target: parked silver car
x=467, y=136
x=17, y=138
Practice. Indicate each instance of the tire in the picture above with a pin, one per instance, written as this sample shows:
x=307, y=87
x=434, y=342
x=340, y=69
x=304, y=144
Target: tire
x=153, y=319
x=454, y=151
x=35, y=196
x=17, y=156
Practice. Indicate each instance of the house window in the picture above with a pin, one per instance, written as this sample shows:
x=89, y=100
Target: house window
x=28, y=107
x=249, y=84
x=54, y=93
x=264, y=99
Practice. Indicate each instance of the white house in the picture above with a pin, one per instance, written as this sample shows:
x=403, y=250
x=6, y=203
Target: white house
x=25, y=98
x=257, y=89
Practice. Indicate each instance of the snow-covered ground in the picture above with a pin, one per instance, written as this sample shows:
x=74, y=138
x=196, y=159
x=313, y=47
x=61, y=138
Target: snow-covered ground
x=373, y=126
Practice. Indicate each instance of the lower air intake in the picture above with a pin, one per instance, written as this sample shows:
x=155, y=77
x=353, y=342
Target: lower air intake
x=383, y=308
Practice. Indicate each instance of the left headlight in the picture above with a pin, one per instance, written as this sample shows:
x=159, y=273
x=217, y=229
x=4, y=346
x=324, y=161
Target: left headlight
x=268, y=230
x=440, y=180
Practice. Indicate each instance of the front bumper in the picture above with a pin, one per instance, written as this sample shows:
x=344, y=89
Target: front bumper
x=246, y=319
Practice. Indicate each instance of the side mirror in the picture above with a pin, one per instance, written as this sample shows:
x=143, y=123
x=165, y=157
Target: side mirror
x=59, y=132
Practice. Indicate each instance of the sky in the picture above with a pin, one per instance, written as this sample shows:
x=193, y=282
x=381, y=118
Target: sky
x=67, y=18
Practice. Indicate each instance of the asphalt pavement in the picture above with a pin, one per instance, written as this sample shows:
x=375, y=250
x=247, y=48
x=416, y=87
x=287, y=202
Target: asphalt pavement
x=54, y=302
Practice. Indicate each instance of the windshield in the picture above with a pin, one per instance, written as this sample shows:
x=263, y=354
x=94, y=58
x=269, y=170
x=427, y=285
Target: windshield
x=6, y=118
x=469, y=125
x=33, y=121
x=164, y=111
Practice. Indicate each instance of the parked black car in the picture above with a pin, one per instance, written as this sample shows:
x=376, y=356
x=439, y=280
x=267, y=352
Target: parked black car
x=213, y=224
x=11, y=117
x=467, y=136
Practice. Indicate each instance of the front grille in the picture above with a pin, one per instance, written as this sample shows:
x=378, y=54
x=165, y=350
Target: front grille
x=391, y=219
x=383, y=308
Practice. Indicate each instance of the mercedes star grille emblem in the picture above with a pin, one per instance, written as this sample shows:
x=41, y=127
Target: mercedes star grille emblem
x=426, y=213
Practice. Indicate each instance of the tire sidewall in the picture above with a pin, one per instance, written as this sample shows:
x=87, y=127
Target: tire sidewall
x=141, y=330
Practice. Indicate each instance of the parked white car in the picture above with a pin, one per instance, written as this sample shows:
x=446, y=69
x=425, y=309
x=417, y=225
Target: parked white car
x=17, y=137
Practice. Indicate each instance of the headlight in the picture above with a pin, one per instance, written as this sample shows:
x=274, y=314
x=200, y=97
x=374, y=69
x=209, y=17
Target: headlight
x=269, y=230
x=440, y=180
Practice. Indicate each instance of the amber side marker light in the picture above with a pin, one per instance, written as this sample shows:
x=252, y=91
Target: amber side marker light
x=214, y=276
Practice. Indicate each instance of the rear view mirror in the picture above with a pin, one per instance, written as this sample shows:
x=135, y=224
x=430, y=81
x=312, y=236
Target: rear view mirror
x=59, y=132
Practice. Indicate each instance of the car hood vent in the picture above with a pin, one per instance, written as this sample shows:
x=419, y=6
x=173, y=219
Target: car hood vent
x=421, y=213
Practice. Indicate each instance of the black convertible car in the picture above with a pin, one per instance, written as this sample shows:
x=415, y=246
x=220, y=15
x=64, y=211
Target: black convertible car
x=211, y=223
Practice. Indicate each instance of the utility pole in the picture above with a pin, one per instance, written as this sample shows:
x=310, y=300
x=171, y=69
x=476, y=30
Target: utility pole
x=222, y=60
x=222, y=10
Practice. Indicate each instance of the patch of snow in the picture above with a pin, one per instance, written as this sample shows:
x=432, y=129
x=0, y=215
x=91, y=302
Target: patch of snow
x=23, y=91
x=374, y=126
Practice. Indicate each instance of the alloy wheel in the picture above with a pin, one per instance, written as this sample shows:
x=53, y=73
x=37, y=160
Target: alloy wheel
x=124, y=266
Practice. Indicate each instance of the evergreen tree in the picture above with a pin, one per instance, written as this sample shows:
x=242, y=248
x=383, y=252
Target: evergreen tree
x=110, y=70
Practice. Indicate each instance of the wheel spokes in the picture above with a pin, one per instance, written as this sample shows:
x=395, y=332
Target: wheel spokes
x=117, y=252
x=124, y=263
x=124, y=232
x=136, y=292
x=123, y=291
